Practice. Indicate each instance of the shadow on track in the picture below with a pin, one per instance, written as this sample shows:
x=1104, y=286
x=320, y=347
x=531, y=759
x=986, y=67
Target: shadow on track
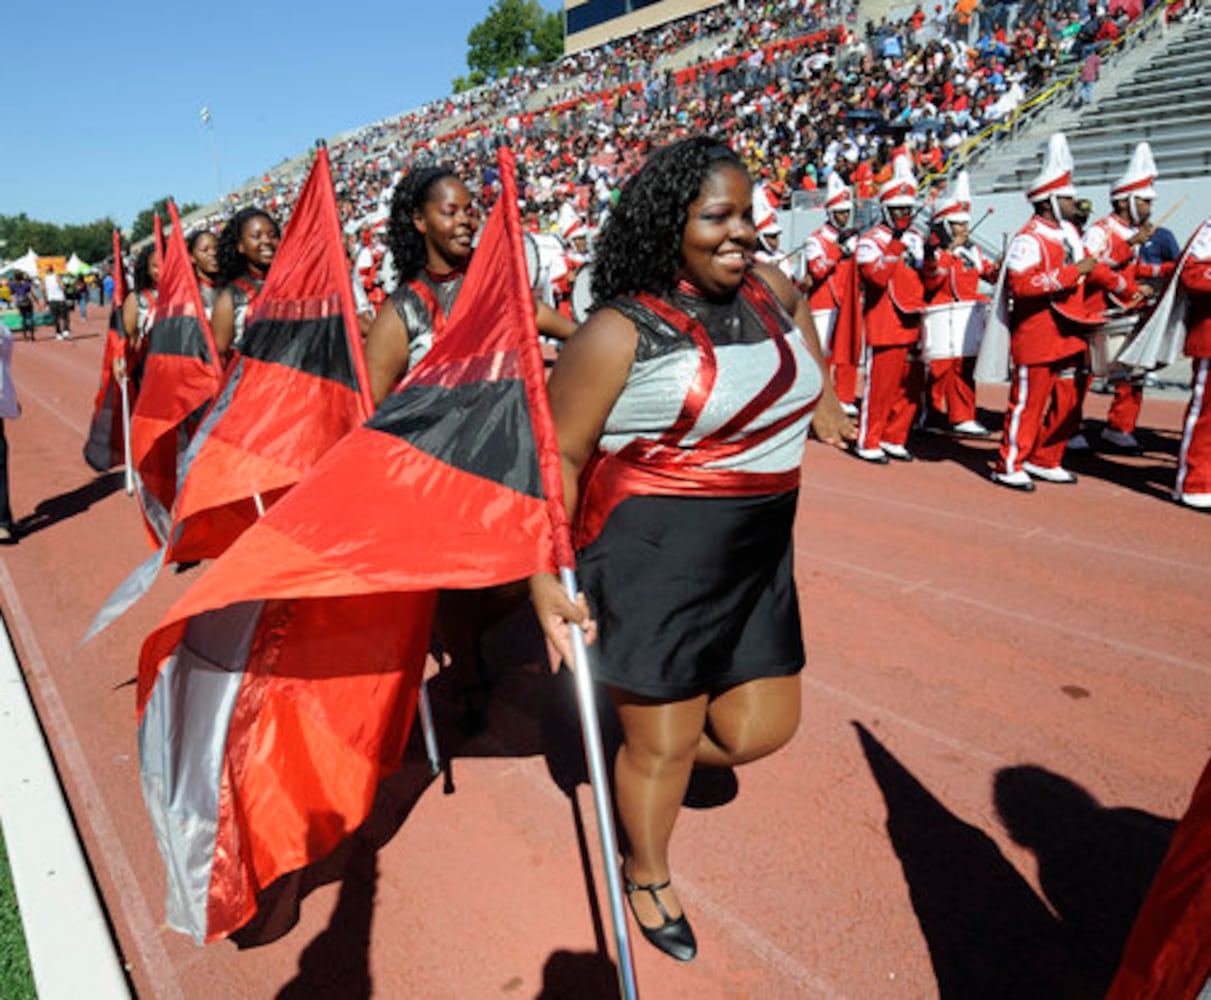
x=531, y=712
x=67, y=505
x=988, y=932
x=1150, y=471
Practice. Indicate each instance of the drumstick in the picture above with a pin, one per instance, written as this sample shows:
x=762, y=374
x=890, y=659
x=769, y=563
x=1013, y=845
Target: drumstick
x=981, y=220
x=1173, y=208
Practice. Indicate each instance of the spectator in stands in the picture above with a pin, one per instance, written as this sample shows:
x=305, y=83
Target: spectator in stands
x=1091, y=69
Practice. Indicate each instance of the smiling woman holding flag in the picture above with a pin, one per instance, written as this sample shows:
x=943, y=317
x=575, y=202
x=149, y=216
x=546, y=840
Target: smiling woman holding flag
x=431, y=234
x=246, y=248
x=682, y=407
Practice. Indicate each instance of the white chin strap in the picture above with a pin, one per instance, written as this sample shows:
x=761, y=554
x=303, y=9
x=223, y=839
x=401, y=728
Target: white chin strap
x=1132, y=210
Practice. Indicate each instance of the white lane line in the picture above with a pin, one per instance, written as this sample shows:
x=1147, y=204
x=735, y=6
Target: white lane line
x=950, y=595
x=147, y=938
x=60, y=911
x=745, y=934
x=886, y=500
x=878, y=711
x=770, y=954
x=54, y=409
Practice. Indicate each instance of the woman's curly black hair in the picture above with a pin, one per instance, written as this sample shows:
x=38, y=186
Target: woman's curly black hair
x=143, y=278
x=404, y=240
x=192, y=239
x=639, y=249
x=231, y=262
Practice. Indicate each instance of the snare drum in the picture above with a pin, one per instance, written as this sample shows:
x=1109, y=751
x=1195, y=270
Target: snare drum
x=953, y=330
x=1108, y=340
x=825, y=320
x=533, y=261
x=582, y=293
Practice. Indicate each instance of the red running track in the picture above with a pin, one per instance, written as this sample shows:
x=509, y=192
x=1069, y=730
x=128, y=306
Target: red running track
x=1006, y=706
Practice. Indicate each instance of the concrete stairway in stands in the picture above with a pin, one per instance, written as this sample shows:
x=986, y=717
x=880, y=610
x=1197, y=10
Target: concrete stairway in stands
x=1161, y=93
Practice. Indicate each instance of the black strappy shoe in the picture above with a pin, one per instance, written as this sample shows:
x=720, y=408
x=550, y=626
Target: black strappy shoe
x=675, y=936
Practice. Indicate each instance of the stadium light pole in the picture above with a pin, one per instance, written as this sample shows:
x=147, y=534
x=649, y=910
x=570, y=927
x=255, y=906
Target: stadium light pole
x=214, y=151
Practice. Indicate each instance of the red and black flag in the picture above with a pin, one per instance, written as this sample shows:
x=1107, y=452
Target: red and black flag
x=280, y=689
x=297, y=386
x=181, y=375
x=847, y=338
x=106, y=445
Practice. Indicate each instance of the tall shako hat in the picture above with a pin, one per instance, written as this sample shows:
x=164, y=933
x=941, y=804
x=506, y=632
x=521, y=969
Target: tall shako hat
x=900, y=190
x=956, y=205
x=837, y=195
x=571, y=225
x=1137, y=182
x=764, y=216
x=1054, y=180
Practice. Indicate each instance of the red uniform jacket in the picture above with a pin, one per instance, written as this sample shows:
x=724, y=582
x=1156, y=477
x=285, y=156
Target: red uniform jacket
x=1196, y=279
x=823, y=253
x=894, y=295
x=955, y=275
x=1048, y=311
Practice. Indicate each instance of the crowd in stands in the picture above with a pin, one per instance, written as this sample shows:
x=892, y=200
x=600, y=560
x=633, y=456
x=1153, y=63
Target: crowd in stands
x=790, y=84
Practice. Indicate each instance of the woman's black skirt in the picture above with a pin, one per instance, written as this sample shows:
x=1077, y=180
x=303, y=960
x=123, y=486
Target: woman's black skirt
x=693, y=595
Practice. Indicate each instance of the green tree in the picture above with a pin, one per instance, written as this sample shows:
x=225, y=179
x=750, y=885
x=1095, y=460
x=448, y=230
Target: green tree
x=515, y=33
x=145, y=220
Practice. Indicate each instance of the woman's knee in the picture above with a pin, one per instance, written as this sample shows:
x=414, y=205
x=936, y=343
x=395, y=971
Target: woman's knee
x=757, y=719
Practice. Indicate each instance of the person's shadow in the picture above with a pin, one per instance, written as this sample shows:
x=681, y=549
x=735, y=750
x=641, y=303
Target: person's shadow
x=530, y=712
x=1095, y=864
x=989, y=934
x=58, y=508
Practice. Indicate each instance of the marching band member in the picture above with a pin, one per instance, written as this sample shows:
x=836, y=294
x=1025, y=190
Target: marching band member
x=951, y=275
x=1116, y=241
x=1047, y=267
x=769, y=231
x=138, y=317
x=1193, y=486
x=887, y=256
x=575, y=235
x=203, y=248
x=247, y=245
x=828, y=254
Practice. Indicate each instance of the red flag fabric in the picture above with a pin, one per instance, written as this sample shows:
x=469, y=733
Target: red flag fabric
x=297, y=386
x=847, y=334
x=157, y=230
x=180, y=377
x=1168, y=954
x=278, y=691
x=105, y=446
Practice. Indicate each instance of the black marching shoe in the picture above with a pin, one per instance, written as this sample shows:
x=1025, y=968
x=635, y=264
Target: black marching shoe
x=674, y=936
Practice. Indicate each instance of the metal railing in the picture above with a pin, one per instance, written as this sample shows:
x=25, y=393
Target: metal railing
x=1041, y=100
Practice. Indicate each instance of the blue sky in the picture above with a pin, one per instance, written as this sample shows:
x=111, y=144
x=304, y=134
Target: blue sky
x=103, y=100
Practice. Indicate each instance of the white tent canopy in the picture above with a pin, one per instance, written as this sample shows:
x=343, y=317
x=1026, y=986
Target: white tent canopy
x=76, y=266
x=28, y=264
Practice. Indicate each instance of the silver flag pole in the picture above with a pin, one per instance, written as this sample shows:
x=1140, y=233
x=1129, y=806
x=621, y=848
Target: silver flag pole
x=601, y=795
x=130, y=472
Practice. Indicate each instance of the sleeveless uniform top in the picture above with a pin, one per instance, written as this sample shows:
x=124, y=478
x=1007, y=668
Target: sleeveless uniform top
x=423, y=304
x=686, y=511
x=244, y=292
x=146, y=316
x=210, y=295
x=145, y=319
x=717, y=402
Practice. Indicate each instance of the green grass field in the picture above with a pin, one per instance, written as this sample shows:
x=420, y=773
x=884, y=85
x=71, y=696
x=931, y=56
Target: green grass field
x=16, y=981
